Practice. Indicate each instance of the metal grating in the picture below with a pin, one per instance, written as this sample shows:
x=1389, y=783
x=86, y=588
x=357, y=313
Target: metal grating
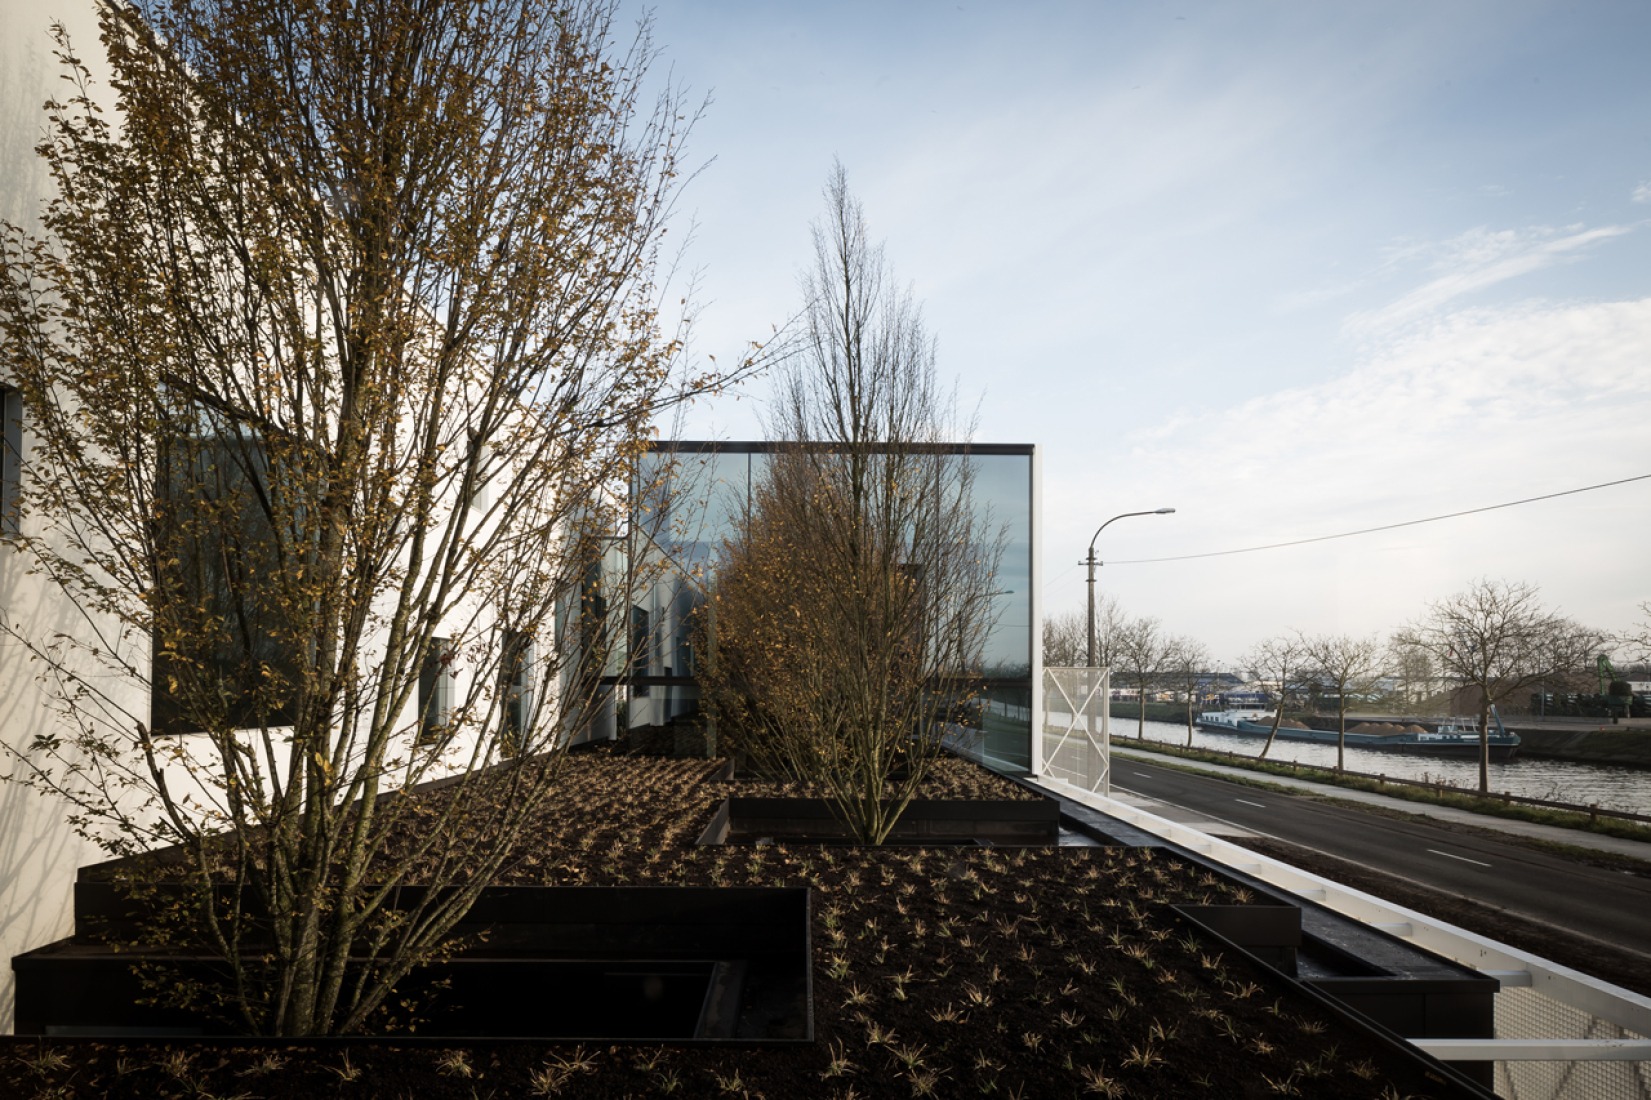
x=1523, y=1013
x=1074, y=734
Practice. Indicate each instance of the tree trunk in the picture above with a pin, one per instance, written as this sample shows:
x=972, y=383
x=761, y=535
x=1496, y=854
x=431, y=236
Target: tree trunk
x=1341, y=736
x=1484, y=743
x=1278, y=716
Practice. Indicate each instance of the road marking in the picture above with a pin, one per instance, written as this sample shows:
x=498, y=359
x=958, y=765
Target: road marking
x=1143, y=775
x=1464, y=859
x=1247, y=802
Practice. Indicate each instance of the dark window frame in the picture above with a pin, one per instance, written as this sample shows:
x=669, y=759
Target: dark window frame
x=224, y=557
x=516, y=687
x=436, y=677
x=11, y=461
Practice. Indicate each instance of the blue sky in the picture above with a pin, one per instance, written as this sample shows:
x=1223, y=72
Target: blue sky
x=1290, y=268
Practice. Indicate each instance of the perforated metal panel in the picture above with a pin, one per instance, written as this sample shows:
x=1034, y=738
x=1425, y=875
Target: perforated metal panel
x=1074, y=727
x=1527, y=1014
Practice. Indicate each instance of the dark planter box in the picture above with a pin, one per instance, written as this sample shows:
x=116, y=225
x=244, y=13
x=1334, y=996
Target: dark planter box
x=624, y=963
x=1391, y=987
x=1272, y=933
x=935, y=821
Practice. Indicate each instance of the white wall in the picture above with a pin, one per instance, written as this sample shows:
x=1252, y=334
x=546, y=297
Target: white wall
x=38, y=851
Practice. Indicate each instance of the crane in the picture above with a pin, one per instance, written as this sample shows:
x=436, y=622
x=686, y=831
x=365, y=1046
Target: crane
x=1606, y=673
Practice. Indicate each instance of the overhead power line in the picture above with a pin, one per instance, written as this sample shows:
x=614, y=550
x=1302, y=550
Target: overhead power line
x=1384, y=527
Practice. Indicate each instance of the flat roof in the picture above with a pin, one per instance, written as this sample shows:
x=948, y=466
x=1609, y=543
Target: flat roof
x=770, y=446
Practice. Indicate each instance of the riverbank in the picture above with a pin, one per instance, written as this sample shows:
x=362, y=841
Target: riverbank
x=1583, y=741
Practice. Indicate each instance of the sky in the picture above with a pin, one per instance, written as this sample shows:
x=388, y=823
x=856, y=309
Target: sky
x=1291, y=269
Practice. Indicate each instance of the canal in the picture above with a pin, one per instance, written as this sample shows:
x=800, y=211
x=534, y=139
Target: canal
x=1611, y=787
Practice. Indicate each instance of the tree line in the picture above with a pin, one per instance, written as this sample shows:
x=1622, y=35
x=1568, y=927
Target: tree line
x=1495, y=638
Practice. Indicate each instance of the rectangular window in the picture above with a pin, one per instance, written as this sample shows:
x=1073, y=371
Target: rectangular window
x=684, y=652
x=593, y=621
x=11, y=461
x=435, y=691
x=641, y=640
x=516, y=686
x=225, y=652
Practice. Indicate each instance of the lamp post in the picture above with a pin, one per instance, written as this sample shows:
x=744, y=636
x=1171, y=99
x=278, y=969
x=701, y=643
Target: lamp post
x=1093, y=563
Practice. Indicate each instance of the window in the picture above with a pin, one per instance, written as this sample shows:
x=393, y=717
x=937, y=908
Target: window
x=435, y=691
x=593, y=621
x=684, y=651
x=11, y=461
x=225, y=651
x=516, y=687
x=641, y=640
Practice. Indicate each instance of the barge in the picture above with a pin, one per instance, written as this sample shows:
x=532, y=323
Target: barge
x=1455, y=737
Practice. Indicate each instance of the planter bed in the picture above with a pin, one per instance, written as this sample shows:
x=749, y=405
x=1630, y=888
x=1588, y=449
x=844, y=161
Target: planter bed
x=749, y=820
x=1391, y=986
x=552, y=962
x=951, y=972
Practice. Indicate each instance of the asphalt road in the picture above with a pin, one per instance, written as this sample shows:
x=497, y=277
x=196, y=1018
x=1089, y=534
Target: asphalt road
x=1611, y=906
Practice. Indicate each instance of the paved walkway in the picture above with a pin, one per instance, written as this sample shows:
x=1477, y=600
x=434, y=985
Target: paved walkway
x=1577, y=838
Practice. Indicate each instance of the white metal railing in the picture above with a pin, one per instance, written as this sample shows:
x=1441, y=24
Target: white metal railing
x=1536, y=1050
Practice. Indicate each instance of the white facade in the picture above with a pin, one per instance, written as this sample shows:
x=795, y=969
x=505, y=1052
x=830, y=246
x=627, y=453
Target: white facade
x=38, y=851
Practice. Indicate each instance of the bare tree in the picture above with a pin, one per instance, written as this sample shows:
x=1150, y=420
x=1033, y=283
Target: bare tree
x=852, y=610
x=1497, y=638
x=1064, y=641
x=1186, y=662
x=1347, y=664
x=1141, y=650
x=333, y=356
x=1110, y=624
x=1416, y=679
x=1283, y=657
x=1638, y=638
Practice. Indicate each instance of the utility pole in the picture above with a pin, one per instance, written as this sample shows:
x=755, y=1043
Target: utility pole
x=1093, y=563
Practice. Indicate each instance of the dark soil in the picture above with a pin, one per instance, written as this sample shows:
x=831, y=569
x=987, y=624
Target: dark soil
x=957, y=972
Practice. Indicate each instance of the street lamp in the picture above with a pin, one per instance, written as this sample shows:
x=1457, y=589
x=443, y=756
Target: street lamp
x=1093, y=563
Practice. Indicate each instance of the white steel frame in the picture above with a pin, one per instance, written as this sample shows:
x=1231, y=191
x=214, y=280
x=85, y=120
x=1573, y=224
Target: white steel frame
x=1509, y=965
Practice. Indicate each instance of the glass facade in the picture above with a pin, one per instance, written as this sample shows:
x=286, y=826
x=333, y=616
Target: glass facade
x=691, y=497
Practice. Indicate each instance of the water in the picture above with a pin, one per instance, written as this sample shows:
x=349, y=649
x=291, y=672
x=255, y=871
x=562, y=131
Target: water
x=1616, y=788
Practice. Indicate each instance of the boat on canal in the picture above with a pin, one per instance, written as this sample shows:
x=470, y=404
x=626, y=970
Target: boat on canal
x=1426, y=737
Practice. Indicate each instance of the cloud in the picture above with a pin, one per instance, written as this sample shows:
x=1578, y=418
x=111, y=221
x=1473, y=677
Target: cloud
x=1528, y=384
x=1642, y=193
x=1296, y=300
x=1474, y=261
x=1477, y=408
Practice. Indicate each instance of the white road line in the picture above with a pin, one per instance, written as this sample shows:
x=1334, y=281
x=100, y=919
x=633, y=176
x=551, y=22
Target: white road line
x=1464, y=859
x=1247, y=802
x=1143, y=775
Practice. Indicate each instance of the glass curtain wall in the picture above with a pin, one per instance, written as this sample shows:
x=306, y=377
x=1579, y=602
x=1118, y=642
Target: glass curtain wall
x=691, y=496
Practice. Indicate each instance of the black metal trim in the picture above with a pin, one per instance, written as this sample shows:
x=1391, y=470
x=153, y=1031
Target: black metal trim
x=748, y=447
